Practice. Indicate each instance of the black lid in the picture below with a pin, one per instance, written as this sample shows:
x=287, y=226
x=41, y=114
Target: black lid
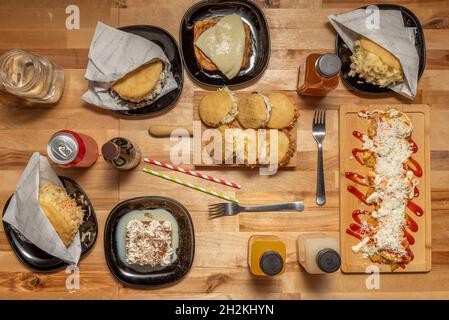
x=271, y=263
x=328, y=65
x=328, y=260
x=109, y=151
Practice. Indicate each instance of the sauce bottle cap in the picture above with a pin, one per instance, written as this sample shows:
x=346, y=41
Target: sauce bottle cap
x=328, y=65
x=328, y=260
x=271, y=263
x=109, y=151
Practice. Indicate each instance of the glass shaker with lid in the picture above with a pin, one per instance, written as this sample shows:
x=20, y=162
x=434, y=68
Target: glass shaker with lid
x=30, y=76
x=319, y=74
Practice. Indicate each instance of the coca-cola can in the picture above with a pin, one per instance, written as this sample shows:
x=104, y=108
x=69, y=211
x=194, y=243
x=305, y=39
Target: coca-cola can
x=72, y=149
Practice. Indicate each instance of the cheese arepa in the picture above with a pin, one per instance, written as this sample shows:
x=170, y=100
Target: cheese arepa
x=218, y=108
x=254, y=111
x=236, y=34
x=141, y=83
x=283, y=112
x=62, y=211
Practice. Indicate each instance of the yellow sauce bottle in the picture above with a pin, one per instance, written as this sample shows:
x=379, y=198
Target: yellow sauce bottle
x=266, y=255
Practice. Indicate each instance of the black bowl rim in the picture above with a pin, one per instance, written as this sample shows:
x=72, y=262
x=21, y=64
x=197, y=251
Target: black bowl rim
x=423, y=56
x=60, y=264
x=123, y=113
x=200, y=4
x=106, y=240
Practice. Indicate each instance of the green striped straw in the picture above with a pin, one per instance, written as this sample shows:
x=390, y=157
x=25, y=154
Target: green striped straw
x=189, y=185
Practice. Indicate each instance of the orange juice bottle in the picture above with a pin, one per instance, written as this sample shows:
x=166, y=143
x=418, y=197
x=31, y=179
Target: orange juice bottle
x=318, y=75
x=266, y=255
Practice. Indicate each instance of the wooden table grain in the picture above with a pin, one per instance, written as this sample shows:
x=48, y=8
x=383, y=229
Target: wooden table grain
x=298, y=27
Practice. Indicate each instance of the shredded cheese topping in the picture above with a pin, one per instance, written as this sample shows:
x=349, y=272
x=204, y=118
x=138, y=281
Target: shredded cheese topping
x=393, y=185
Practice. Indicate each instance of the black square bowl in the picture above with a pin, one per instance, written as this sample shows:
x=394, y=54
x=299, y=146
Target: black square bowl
x=39, y=260
x=252, y=15
x=168, y=44
x=169, y=274
x=358, y=84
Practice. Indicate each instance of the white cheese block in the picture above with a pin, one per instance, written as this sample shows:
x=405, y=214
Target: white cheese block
x=224, y=44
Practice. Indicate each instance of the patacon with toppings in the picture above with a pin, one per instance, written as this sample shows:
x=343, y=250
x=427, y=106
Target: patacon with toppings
x=387, y=150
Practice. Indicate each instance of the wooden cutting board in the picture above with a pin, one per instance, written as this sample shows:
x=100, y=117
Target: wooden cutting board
x=198, y=95
x=349, y=121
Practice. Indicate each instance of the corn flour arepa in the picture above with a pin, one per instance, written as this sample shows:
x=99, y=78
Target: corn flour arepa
x=62, y=211
x=375, y=64
x=254, y=111
x=286, y=147
x=227, y=145
x=223, y=44
x=283, y=111
x=253, y=147
x=143, y=83
x=218, y=108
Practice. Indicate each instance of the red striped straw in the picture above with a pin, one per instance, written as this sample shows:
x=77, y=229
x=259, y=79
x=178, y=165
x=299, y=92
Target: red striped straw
x=193, y=173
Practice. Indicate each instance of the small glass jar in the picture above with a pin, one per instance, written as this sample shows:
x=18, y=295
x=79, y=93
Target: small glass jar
x=266, y=255
x=32, y=77
x=318, y=75
x=121, y=153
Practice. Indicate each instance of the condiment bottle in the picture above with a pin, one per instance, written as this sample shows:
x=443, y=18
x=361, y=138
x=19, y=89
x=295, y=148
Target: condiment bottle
x=266, y=255
x=318, y=253
x=30, y=76
x=121, y=153
x=318, y=75
x=72, y=149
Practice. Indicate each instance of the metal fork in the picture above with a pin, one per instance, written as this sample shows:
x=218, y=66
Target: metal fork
x=318, y=132
x=231, y=208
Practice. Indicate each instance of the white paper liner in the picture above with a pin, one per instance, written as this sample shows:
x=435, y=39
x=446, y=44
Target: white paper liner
x=114, y=53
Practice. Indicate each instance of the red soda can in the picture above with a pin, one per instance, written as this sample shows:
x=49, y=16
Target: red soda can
x=72, y=149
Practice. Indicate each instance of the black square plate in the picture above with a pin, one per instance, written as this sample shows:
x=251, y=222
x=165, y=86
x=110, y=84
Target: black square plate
x=358, y=84
x=37, y=259
x=252, y=15
x=168, y=44
x=185, y=251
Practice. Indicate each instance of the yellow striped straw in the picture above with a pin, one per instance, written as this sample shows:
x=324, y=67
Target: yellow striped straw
x=189, y=185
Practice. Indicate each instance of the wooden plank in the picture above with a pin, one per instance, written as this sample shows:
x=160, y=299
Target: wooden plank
x=292, y=132
x=350, y=121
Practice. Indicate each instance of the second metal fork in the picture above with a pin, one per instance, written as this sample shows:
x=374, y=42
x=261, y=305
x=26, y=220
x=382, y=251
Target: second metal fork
x=231, y=208
x=318, y=132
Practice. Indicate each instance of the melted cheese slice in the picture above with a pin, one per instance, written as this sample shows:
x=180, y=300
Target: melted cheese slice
x=224, y=44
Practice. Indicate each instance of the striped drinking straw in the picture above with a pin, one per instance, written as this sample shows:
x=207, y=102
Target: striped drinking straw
x=193, y=173
x=189, y=185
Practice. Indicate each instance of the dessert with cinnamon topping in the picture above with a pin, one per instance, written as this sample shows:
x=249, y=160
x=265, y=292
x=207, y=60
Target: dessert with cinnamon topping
x=149, y=243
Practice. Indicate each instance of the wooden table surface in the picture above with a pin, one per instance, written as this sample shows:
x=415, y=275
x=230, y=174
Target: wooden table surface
x=298, y=27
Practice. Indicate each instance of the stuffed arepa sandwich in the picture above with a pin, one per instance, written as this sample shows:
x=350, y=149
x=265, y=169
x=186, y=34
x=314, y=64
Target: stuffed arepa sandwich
x=375, y=64
x=254, y=111
x=143, y=84
x=212, y=35
x=218, y=108
x=284, y=112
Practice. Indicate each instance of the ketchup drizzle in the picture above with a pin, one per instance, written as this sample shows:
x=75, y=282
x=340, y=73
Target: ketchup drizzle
x=355, y=154
x=413, y=145
x=352, y=233
x=416, y=192
x=416, y=209
x=358, y=135
x=411, y=224
x=356, y=192
x=409, y=238
x=356, y=178
x=417, y=170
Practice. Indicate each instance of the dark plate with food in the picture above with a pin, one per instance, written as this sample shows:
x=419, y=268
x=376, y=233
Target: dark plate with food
x=37, y=259
x=357, y=83
x=168, y=44
x=149, y=241
x=237, y=25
